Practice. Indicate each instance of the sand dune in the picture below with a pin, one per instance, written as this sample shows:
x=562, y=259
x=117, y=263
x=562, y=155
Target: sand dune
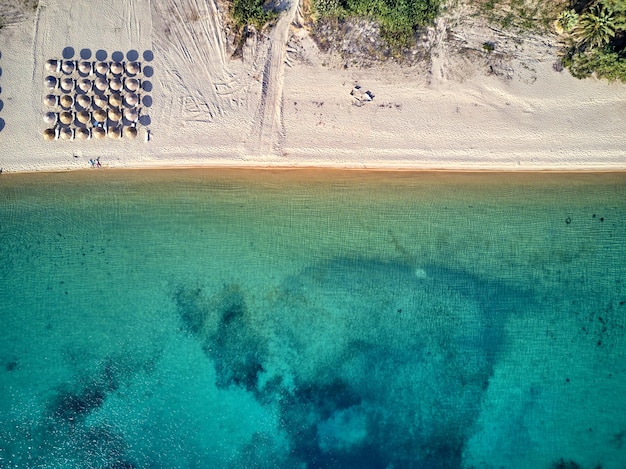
x=206, y=108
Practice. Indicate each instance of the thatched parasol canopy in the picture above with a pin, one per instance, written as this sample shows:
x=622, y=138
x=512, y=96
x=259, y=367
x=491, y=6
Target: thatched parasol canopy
x=115, y=99
x=131, y=115
x=85, y=67
x=51, y=82
x=100, y=101
x=52, y=65
x=84, y=101
x=100, y=115
x=50, y=100
x=116, y=84
x=114, y=132
x=132, y=68
x=102, y=68
x=131, y=99
x=68, y=66
x=132, y=84
x=101, y=84
x=66, y=101
x=67, y=84
x=83, y=117
x=66, y=134
x=50, y=118
x=98, y=132
x=82, y=134
x=115, y=114
x=117, y=68
x=130, y=132
x=66, y=117
x=84, y=84
x=50, y=134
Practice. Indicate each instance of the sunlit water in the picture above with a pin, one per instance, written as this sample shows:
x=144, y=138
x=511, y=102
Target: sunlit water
x=312, y=319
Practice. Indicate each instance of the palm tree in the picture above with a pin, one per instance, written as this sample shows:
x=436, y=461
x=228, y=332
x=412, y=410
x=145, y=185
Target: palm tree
x=595, y=28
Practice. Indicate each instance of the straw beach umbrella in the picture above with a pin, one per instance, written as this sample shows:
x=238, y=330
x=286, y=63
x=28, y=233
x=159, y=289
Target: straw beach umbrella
x=132, y=84
x=52, y=66
x=67, y=84
x=100, y=101
x=101, y=84
x=51, y=82
x=98, y=133
x=50, y=134
x=100, y=115
x=131, y=115
x=66, y=134
x=114, y=114
x=50, y=118
x=116, y=84
x=114, y=132
x=131, y=99
x=116, y=68
x=83, y=117
x=66, y=117
x=50, y=100
x=102, y=68
x=115, y=99
x=82, y=134
x=85, y=68
x=84, y=101
x=132, y=68
x=68, y=67
x=84, y=84
x=66, y=101
x=130, y=132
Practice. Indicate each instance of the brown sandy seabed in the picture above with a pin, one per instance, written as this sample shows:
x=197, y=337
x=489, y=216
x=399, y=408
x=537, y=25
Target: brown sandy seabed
x=284, y=103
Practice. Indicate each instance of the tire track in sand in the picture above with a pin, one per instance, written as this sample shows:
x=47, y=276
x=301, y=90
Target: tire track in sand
x=268, y=131
x=191, y=45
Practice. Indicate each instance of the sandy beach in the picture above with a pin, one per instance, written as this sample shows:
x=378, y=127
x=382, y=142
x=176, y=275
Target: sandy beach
x=283, y=102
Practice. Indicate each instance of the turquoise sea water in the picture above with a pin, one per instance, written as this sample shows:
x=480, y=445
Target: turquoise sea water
x=303, y=319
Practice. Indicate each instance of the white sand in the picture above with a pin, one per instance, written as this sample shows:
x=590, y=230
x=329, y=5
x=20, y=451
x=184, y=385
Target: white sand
x=209, y=109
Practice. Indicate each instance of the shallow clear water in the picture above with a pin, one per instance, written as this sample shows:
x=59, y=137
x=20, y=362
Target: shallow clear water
x=312, y=319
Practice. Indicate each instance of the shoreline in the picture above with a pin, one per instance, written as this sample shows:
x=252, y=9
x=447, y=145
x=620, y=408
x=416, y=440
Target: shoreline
x=228, y=166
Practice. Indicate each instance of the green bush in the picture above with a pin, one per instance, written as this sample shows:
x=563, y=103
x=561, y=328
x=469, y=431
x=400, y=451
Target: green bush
x=251, y=12
x=601, y=62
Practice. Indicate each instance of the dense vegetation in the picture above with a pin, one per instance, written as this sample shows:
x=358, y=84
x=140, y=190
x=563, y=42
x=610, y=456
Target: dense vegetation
x=399, y=19
x=595, y=35
x=593, y=31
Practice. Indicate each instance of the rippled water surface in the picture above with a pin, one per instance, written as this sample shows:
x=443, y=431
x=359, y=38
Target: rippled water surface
x=312, y=319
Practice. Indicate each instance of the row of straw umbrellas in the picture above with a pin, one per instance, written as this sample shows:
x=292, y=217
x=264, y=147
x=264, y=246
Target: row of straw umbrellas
x=65, y=133
x=86, y=85
x=99, y=116
x=67, y=101
x=85, y=67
